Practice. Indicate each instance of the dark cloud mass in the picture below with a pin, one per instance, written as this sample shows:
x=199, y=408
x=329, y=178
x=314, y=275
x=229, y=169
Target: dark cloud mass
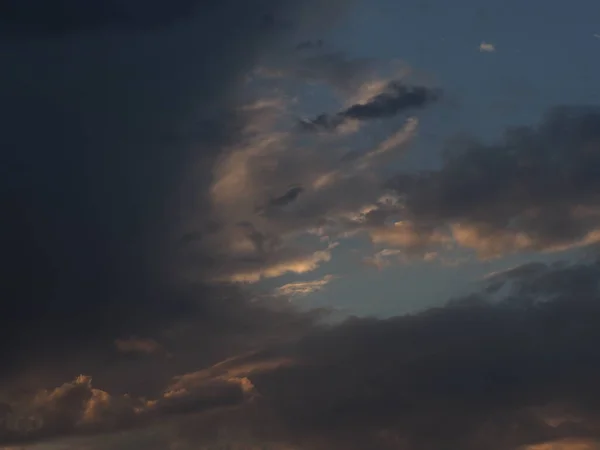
x=291, y=195
x=395, y=99
x=94, y=157
x=480, y=372
x=59, y=17
x=477, y=373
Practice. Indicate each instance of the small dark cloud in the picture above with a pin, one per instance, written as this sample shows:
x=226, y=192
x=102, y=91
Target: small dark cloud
x=397, y=98
x=287, y=198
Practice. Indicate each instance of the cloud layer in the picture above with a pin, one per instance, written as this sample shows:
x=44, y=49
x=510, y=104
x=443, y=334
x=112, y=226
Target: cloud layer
x=480, y=372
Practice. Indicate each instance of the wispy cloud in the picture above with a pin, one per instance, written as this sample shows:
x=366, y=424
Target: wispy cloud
x=302, y=288
x=275, y=186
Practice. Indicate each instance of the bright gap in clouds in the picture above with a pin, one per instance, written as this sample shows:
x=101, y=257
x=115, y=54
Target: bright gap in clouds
x=301, y=185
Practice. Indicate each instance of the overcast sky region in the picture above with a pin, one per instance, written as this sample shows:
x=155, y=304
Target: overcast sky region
x=299, y=225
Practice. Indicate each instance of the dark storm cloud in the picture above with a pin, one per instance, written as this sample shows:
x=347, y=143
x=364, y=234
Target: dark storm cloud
x=90, y=183
x=541, y=183
x=480, y=372
x=59, y=17
x=395, y=99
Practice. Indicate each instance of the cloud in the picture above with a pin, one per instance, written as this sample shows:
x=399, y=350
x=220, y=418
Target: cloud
x=535, y=190
x=518, y=372
x=487, y=47
x=276, y=189
x=105, y=155
x=137, y=345
x=275, y=264
x=302, y=288
x=262, y=230
x=334, y=69
x=291, y=195
x=396, y=98
x=566, y=444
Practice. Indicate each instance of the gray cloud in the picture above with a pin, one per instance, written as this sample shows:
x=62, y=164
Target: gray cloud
x=537, y=189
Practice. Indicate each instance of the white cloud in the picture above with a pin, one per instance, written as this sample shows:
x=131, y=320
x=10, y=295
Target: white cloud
x=487, y=47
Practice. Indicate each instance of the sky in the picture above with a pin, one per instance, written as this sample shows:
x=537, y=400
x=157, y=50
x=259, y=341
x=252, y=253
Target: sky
x=299, y=225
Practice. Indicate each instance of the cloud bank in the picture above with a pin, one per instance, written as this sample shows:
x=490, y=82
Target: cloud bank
x=511, y=372
x=117, y=333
